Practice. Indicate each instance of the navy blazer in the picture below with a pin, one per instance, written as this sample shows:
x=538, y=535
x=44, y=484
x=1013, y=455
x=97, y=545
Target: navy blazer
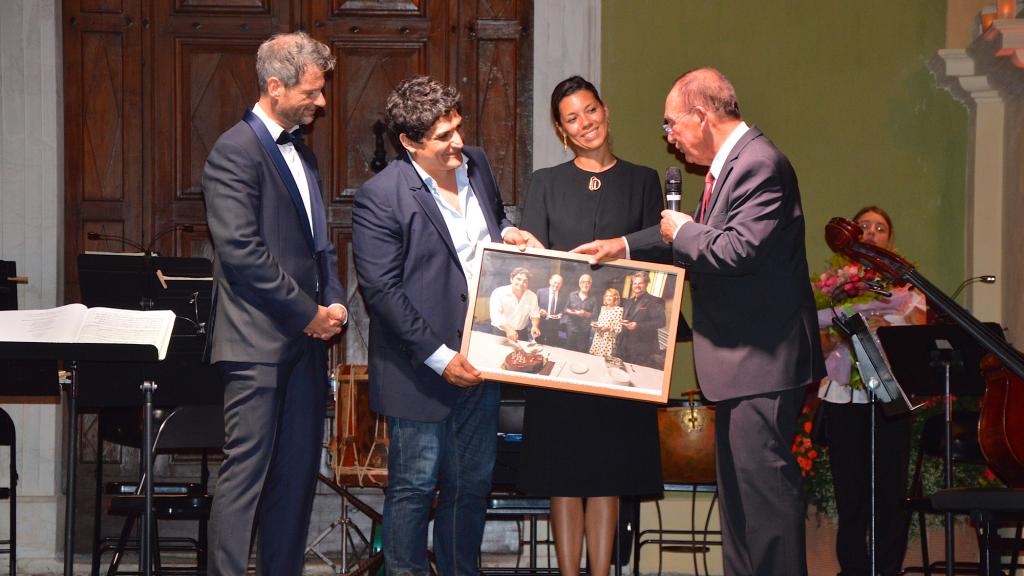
x=755, y=328
x=265, y=272
x=413, y=284
x=563, y=298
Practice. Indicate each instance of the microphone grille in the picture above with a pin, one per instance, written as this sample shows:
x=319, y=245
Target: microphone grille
x=673, y=174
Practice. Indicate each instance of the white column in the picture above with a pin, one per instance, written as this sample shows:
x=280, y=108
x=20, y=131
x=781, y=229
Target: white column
x=31, y=205
x=566, y=41
x=988, y=78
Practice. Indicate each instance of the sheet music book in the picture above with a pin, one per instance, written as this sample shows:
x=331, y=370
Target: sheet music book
x=76, y=324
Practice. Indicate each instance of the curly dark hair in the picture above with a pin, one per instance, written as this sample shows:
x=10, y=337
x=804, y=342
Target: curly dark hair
x=416, y=104
x=519, y=270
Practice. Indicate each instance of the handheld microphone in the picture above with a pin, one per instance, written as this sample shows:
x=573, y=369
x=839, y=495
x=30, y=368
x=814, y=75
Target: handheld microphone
x=673, y=188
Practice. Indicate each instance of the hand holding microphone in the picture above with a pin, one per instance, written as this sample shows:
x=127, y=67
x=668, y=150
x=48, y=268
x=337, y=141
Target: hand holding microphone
x=672, y=218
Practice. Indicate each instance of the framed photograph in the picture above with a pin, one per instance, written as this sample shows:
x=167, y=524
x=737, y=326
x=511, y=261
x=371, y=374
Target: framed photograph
x=550, y=319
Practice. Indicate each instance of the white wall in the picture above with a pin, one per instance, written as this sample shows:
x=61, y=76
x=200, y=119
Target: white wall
x=31, y=213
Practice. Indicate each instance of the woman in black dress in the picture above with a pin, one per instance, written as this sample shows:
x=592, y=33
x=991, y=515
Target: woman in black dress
x=586, y=451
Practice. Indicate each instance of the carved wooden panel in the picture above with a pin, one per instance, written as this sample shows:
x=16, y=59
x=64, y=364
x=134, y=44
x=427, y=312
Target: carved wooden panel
x=366, y=72
x=204, y=78
x=103, y=172
x=195, y=244
x=222, y=6
x=101, y=6
x=375, y=50
x=102, y=145
x=495, y=63
x=216, y=85
x=383, y=7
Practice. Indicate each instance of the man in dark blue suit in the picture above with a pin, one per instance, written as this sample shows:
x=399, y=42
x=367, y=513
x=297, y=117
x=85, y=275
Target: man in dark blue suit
x=552, y=303
x=277, y=299
x=755, y=331
x=417, y=232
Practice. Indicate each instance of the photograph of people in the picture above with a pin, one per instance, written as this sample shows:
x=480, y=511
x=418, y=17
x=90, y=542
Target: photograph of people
x=643, y=314
x=577, y=314
x=514, y=307
x=586, y=451
x=552, y=304
x=608, y=325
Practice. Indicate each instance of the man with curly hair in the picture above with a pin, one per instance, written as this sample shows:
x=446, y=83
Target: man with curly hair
x=417, y=232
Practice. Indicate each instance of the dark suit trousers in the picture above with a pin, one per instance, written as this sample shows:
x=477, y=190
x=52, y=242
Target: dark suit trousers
x=273, y=421
x=759, y=485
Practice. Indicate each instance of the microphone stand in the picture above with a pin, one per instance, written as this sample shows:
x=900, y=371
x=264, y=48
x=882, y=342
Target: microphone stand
x=984, y=279
x=146, y=301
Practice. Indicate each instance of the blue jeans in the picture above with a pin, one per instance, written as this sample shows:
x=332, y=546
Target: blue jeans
x=455, y=455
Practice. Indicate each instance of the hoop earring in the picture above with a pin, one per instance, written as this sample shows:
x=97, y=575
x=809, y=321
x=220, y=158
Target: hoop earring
x=565, y=142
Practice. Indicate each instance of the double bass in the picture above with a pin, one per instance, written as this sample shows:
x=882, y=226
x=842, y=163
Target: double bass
x=1000, y=434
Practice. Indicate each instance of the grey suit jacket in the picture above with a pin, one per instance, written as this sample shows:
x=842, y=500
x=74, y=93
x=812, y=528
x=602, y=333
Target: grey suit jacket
x=754, y=324
x=413, y=284
x=266, y=274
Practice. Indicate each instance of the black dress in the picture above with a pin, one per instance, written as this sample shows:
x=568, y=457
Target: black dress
x=581, y=444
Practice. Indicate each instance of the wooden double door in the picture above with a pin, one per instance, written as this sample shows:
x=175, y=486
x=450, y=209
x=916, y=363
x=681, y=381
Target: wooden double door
x=149, y=85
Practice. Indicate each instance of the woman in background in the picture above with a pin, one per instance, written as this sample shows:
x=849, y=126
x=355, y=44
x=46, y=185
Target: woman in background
x=847, y=419
x=585, y=451
x=608, y=325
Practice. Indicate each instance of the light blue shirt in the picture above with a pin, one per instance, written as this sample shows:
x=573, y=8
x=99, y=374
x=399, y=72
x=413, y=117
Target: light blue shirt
x=468, y=231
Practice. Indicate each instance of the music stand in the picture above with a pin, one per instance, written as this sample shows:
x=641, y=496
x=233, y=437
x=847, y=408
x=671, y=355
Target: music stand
x=70, y=353
x=115, y=281
x=880, y=384
x=938, y=359
x=130, y=281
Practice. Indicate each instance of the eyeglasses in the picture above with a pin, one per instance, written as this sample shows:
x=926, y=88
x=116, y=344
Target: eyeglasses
x=668, y=127
x=879, y=228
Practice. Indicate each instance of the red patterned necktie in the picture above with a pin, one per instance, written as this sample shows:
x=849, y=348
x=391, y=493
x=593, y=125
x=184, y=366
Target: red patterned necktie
x=709, y=185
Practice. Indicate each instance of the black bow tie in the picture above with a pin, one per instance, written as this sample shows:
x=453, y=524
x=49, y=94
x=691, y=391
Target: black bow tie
x=292, y=137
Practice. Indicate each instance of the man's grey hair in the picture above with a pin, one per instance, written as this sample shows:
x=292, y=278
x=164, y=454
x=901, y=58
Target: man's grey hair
x=287, y=56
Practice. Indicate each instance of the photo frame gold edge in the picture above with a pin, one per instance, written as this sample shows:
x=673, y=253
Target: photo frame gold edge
x=677, y=298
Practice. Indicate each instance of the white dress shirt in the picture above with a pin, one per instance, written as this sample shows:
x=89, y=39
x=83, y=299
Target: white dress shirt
x=291, y=157
x=468, y=231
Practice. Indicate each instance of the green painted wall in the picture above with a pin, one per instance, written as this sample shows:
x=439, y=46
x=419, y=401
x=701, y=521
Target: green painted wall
x=841, y=87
